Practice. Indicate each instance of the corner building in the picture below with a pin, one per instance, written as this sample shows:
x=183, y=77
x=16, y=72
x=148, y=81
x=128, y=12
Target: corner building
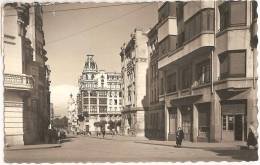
x=134, y=66
x=26, y=75
x=99, y=97
x=207, y=69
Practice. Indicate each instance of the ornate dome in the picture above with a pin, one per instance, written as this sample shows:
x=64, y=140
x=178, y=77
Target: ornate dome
x=90, y=64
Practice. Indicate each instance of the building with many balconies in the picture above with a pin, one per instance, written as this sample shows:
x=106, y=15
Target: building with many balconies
x=207, y=69
x=26, y=76
x=99, y=98
x=134, y=66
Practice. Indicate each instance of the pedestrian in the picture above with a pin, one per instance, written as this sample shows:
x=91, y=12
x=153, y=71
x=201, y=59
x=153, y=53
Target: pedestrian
x=59, y=136
x=179, y=136
x=103, y=131
x=251, y=139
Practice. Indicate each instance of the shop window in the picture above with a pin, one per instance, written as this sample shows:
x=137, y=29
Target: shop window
x=228, y=122
x=233, y=64
x=203, y=72
x=172, y=120
x=232, y=13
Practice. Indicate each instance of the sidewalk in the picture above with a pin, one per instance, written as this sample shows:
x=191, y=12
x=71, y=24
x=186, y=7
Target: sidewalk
x=199, y=145
x=31, y=147
x=185, y=144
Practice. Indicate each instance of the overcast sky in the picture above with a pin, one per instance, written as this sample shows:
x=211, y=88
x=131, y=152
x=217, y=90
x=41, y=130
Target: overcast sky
x=72, y=34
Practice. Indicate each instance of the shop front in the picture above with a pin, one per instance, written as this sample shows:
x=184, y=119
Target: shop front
x=234, y=120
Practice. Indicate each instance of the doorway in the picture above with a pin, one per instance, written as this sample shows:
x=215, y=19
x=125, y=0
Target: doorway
x=239, y=127
x=186, y=113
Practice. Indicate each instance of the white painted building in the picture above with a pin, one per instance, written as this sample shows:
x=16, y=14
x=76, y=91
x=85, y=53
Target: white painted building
x=99, y=95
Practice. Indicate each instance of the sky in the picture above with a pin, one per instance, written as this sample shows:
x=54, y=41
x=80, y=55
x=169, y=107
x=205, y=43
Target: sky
x=71, y=34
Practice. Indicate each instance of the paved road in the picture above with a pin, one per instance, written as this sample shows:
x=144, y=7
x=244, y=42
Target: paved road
x=89, y=149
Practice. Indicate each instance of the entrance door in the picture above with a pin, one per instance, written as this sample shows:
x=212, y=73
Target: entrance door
x=228, y=128
x=187, y=124
x=239, y=127
x=172, y=124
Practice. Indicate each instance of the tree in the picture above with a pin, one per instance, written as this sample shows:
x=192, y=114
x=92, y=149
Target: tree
x=60, y=122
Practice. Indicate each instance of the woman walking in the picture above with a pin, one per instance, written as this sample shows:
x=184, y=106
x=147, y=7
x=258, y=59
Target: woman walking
x=179, y=136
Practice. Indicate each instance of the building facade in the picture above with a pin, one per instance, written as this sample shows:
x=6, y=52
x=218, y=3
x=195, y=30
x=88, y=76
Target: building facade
x=134, y=65
x=154, y=117
x=207, y=69
x=99, y=98
x=26, y=76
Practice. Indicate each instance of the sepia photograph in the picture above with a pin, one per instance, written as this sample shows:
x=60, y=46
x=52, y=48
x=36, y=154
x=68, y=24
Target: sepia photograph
x=129, y=81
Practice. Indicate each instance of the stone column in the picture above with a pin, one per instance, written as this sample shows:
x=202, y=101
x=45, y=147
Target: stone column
x=166, y=119
x=179, y=117
x=215, y=119
x=195, y=123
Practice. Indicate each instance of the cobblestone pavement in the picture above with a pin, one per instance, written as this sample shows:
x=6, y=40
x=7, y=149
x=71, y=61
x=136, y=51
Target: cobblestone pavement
x=123, y=149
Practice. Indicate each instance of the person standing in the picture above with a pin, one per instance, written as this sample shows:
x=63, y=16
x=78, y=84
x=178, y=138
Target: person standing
x=179, y=136
x=103, y=131
x=251, y=139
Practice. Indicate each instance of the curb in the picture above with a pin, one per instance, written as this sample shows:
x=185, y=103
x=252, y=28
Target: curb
x=32, y=148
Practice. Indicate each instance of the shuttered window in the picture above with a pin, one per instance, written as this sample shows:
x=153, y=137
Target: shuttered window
x=233, y=64
x=232, y=13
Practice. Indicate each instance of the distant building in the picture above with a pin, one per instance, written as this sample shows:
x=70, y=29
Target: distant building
x=134, y=66
x=72, y=115
x=26, y=75
x=99, y=98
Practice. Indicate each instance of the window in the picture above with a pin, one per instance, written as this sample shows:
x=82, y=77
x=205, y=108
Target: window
x=110, y=101
x=102, y=109
x=228, y=122
x=102, y=93
x=232, y=13
x=202, y=21
x=102, y=101
x=93, y=93
x=171, y=83
x=254, y=9
x=85, y=100
x=93, y=101
x=162, y=87
x=186, y=78
x=233, y=64
x=203, y=72
x=120, y=101
x=115, y=101
x=120, y=94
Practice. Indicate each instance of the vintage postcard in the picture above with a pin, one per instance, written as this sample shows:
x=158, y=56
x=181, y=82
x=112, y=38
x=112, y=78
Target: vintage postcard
x=125, y=81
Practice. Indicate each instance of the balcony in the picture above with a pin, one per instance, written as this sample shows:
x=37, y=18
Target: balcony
x=233, y=84
x=18, y=82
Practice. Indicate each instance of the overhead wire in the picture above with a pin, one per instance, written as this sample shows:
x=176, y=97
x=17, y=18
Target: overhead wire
x=83, y=8
x=97, y=25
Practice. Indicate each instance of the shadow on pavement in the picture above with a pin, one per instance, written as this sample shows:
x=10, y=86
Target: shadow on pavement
x=239, y=153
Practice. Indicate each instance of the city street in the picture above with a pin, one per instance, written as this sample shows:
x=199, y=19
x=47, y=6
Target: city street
x=126, y=149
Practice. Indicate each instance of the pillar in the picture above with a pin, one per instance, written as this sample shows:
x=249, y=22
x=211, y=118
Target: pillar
x=195, y=123
x=215, y=119
x=166, y=120
x=179, y=117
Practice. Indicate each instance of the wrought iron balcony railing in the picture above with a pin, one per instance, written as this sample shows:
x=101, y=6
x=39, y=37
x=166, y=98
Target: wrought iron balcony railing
x=18, y=82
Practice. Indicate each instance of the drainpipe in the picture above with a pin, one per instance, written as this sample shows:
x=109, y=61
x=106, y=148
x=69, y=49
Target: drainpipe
x=212, y=52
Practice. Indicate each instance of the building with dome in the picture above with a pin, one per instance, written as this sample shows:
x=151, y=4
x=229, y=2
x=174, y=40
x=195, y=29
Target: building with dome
x=99, y=98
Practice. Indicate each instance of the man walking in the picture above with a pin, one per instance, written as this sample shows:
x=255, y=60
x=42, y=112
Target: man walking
x=179, y=136
x=103, y=131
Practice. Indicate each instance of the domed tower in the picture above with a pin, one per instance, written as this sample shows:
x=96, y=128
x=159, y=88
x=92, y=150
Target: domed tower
x=90, y=70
